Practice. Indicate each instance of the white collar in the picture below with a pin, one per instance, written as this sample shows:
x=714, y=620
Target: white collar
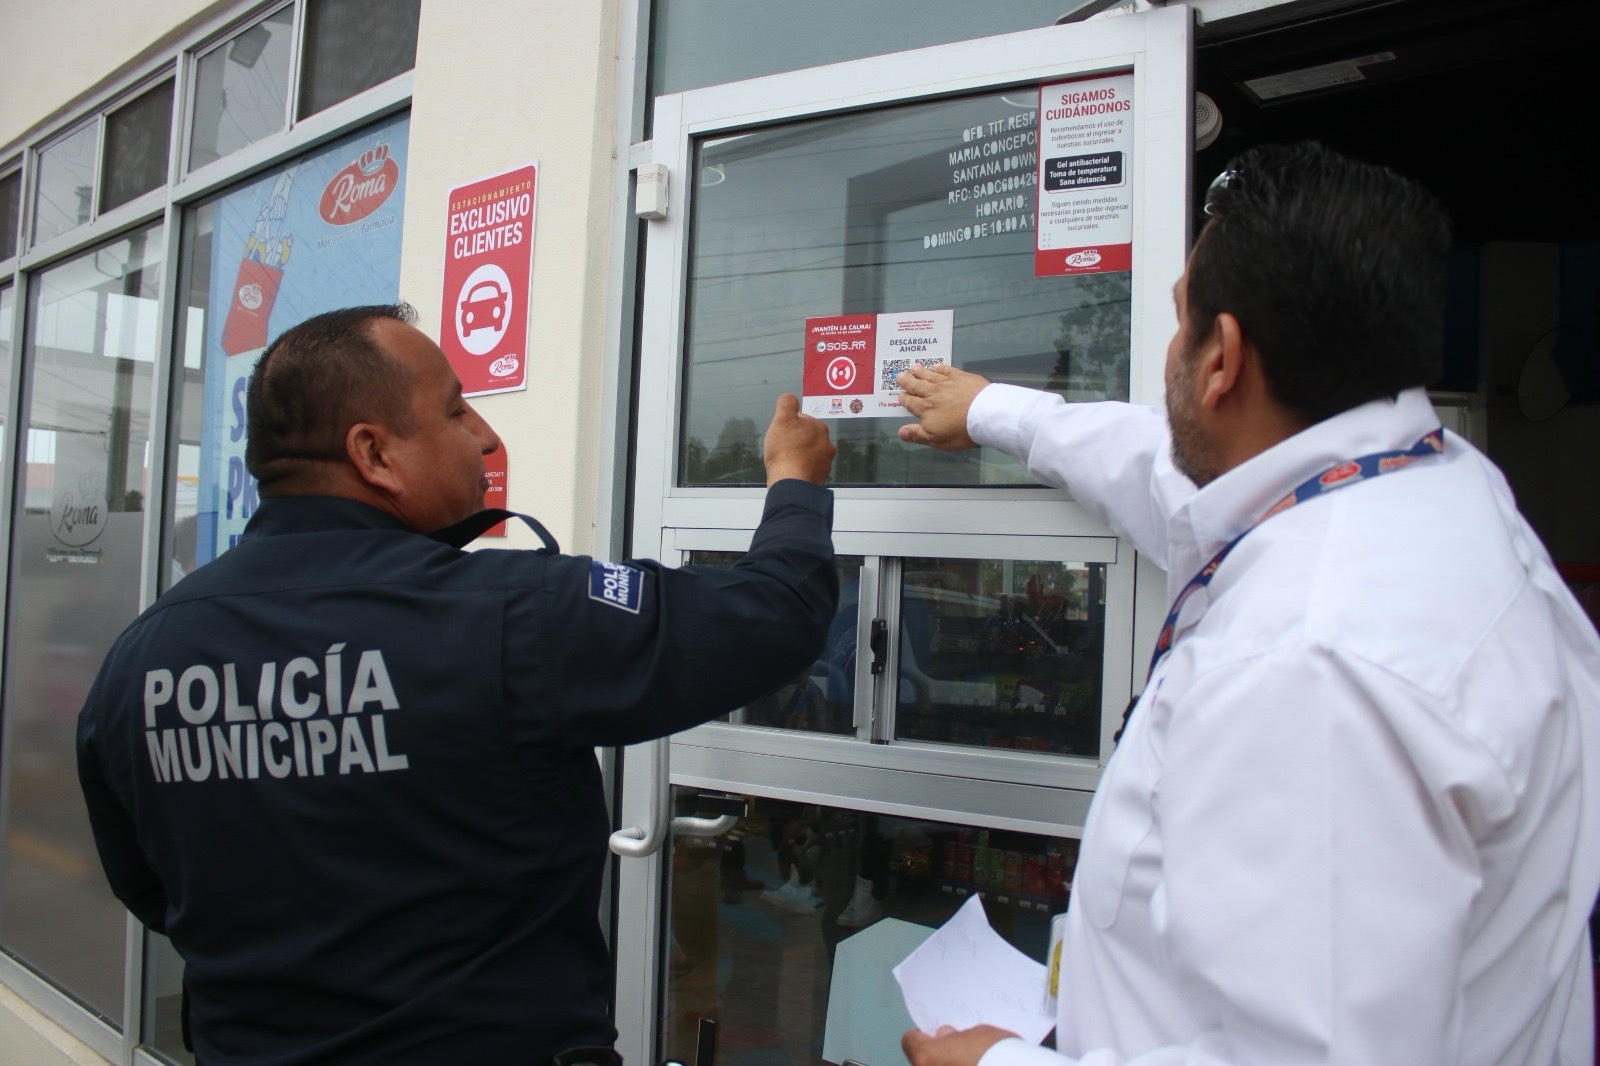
x=1231, y=504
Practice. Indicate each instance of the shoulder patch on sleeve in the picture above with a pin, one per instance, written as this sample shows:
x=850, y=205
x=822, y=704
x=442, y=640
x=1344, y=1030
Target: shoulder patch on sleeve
x=616, y=585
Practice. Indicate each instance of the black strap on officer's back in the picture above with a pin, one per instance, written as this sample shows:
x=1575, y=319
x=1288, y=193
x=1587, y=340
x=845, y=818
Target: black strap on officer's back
x=468, y=530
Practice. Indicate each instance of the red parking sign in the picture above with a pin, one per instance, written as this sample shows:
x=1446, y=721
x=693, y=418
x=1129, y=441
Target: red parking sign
x=488, y=267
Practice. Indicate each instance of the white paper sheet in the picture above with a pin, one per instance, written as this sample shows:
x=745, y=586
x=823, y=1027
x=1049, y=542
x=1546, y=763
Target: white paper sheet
x=965, y=975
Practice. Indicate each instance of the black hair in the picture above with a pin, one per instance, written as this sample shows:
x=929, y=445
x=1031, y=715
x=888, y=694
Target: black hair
x=1334, y=269
x=317, y=380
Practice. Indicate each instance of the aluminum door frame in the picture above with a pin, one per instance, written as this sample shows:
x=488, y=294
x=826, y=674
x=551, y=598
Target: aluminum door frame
x=1157, y=46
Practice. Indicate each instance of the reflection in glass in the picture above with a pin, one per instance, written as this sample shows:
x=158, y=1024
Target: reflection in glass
x=137, y=138
x=924, y=207
x=704, y=42
x=8, y=312
x=1002, y=654
x=66, y=184
x=761, y=917
x=822, y=699
x=242, y=89
x=10, y=212
x=182, y=523
x=352, y=45
x=161, y=1021
x=75, y=562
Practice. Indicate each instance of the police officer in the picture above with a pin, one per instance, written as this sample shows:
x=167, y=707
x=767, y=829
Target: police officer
x=348, y=768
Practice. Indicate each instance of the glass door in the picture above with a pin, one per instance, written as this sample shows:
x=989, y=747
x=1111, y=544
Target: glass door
x=1016, y=206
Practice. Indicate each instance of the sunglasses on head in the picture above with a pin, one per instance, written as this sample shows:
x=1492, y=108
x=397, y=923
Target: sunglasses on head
x=1227, y=179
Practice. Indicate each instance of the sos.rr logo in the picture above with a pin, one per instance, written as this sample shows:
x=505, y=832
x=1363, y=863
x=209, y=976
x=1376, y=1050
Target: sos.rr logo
x=841, y=373
x=838, y=354
x=360, y=188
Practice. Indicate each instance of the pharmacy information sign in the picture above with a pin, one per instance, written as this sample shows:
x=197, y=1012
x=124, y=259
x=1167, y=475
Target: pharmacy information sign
x=1085, y=222
x=488, y=270
x=851, y=360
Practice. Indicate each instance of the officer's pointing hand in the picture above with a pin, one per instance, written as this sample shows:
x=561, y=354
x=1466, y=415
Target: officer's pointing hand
x=796, y=445
x=939, y=395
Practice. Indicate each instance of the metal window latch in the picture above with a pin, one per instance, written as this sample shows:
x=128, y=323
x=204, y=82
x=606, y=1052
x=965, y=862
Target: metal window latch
x=879, y=643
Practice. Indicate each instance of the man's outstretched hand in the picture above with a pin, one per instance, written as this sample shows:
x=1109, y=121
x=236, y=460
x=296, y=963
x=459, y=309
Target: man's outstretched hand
x=796, y=445
x=939, y=396
x=951, y=1047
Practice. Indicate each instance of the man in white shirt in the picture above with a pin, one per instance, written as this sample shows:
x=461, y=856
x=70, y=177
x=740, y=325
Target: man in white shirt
x=1355, y=815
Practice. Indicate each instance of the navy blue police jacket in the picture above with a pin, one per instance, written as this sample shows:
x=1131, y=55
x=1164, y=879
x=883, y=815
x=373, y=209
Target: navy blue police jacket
x=349, y=770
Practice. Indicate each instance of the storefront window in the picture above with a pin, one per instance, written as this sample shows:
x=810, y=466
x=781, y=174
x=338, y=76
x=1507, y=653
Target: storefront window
x=94, y=323
x=921, y=215
x=352, y=45
x=785, y=925
x=822, y=698
x=321, y=233
x=64, y=197
x=10, y=212
x=1002, y=654
x=706, y=42
x=242, y=89
x=137, y=137
x=8, y=301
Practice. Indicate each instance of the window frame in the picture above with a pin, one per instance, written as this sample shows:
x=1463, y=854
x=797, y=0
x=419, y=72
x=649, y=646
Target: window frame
x=682, y=119
x=213, y=41
x=120, y=1039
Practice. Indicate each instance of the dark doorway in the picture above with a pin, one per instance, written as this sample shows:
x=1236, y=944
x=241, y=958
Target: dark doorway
x=1491, y=105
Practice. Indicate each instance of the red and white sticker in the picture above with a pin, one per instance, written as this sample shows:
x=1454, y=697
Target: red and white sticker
x=851, y=360
x=495, y=464
x=488, y=267
x=1085, y=223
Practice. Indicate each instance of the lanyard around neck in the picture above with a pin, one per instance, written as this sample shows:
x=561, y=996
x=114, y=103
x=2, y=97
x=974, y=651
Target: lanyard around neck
x=1335, y=477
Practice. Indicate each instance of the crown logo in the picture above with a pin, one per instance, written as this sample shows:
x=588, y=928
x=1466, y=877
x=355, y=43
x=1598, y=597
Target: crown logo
x=373, y=158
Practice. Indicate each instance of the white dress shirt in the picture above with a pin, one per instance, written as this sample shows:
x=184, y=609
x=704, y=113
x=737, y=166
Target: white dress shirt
x=1356, y=815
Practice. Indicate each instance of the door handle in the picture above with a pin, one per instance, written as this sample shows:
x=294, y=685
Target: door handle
x=688, y=826
x=635, y=842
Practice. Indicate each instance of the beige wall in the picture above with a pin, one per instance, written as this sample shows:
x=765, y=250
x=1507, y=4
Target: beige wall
x=500, y=83
x=57, y=49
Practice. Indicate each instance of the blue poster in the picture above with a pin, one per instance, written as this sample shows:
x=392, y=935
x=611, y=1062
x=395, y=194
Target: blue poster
x=318, y=234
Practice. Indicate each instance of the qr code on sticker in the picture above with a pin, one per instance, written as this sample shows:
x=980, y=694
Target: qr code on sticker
x=889, y=369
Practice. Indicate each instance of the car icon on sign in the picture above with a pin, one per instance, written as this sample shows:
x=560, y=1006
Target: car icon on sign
x=483, y=308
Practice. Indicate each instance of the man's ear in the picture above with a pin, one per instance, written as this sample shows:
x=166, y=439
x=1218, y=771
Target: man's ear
x=1222, y=360
x=367, y=446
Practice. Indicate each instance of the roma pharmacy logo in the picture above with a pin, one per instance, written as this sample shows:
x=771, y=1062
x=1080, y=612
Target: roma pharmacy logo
x=251, y=296
x=360, y=188
x=78, y=515
x=1341, y=474
x=1086, y=258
